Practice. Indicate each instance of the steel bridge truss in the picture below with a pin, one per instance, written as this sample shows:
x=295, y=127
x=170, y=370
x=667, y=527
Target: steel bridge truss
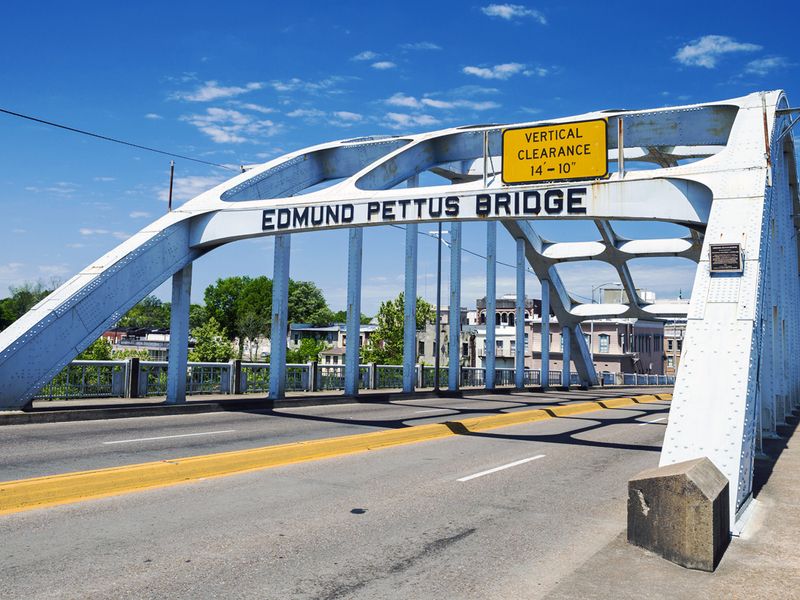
x=723, y=170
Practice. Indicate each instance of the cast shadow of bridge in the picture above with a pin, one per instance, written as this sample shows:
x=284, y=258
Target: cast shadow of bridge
x=581, y=426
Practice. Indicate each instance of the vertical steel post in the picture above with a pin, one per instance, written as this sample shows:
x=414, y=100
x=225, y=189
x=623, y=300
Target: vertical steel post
x=353, y=345
x=437, y=339
x=280, y=317
x=179, y=335
x=454, y=364
x=519, y=352
x=410, y=302
x=171, y=177
x=545, y=334
x=410, y=309
x=491, y=302
x=565, y=360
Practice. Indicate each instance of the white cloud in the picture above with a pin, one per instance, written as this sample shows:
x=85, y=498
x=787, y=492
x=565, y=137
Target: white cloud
x=138, y=214
x=345, y=115
x=254, y=107
x=186, y=188
x=104, y=179
x=707, y=50
x=405, y=101
x=538, y=71
x=59, y=188
x=383, y=65
x=511, y=12
x=400, y=99
x=153, y=116
x=763, y=66
x=366, y=55
x=20, y=231
x=311, y=87
x=230, y=126
x=399, y=120
x=503, y=71
x=421, y=46
x=92, y=231
x=306, y=113
x=211, y=90
x=54, y=270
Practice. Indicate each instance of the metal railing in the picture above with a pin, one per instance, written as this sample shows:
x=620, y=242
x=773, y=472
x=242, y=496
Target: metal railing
x=135, y=378
x=87, y=379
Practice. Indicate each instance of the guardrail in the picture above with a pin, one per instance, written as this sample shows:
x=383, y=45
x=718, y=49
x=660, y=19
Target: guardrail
x=134, y=378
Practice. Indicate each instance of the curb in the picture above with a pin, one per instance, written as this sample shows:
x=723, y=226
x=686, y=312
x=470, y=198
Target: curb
x=40, y=492
x=132, y=410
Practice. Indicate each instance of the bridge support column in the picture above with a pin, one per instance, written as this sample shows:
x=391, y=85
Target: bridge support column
x=353, y=344
x=454, y=364
x=280, y=317
x=566, y=342
x=519, y=351
x=179, y=335
x=410, y=310
x=545, y=335
x=491, y=302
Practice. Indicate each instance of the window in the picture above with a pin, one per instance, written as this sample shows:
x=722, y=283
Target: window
x=498, y=344
x=588, y=339
x=670, y=362
x=605, y=342
x=526, y=343
x=669, y=344
x=680, y=344
x=513, y=346
x=421, y=348
x=465, y=349
x=510, y=319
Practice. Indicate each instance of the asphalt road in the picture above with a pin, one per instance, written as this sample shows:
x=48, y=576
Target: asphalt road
x=507, y=513
x=47, y=449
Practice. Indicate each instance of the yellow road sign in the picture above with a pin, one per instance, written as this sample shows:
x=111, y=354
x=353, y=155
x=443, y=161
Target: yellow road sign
x=560, y=152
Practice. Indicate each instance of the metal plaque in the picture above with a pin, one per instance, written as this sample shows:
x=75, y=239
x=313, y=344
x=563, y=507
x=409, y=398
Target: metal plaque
x=562, y=152
x=725, y=258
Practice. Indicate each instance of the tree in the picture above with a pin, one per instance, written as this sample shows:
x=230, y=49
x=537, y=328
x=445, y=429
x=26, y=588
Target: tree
x=211, y=343
x=150, y=313
x=23, y=298
x=252, y=326
x=386, y=343
x=197, y=315
x=100, y=349
x=305, y=299
x=306, y=351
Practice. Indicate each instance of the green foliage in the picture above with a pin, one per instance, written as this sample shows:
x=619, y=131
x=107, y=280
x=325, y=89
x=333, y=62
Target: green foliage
x=306, y=351
x=100, y=349
x=305, y=299
x=385, y=346
x=130, y=353
x=211, y=343
x=252, y=326
x=150, y=313
x=340, y=316
x=197, y=315
x=23, y=298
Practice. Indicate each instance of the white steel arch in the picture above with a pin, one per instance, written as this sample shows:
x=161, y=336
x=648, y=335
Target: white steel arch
x=724, y=170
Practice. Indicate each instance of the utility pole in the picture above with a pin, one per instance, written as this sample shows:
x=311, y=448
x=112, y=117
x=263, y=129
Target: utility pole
x=171, y=177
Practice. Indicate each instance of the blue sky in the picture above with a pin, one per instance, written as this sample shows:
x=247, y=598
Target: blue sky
x=238, y=83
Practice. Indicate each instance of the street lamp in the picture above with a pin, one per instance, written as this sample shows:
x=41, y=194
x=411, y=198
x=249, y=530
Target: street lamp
x=437, y=339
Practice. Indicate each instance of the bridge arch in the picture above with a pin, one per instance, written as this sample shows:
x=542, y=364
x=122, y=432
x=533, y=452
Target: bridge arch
x=725, y=171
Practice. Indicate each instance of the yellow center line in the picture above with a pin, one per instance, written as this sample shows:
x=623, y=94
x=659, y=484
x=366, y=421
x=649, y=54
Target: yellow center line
x=53, y=490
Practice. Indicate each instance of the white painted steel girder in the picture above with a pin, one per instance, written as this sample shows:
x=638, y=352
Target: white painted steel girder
x=717, y=169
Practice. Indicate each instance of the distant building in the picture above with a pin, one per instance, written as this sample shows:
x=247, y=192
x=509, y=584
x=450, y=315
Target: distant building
x=426, y=340
x=154, y=341
x=674, y=332
x=335, y=335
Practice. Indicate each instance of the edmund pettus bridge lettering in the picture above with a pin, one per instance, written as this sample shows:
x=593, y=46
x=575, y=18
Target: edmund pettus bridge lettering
x=557, y=201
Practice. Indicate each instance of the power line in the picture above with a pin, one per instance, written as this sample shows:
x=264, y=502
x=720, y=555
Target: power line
x=115, y=140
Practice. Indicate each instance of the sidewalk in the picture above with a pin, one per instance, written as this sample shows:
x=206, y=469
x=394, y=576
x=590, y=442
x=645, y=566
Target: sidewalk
x=53, y=411
x=763, y=563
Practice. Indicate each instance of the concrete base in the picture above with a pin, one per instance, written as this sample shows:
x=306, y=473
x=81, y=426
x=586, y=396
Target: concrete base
x=681, y=512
